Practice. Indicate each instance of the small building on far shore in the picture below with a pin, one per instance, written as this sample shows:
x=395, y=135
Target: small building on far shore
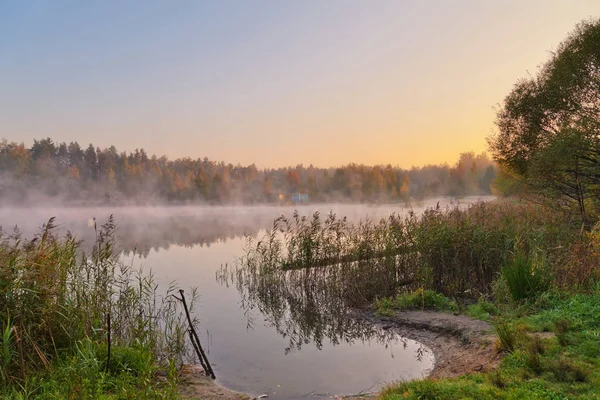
x=300, y=198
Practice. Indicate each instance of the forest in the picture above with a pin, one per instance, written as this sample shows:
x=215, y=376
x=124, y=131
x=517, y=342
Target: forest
x=70, y=174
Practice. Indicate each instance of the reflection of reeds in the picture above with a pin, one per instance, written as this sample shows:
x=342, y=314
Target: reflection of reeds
x=306, y=272
x=55, y=296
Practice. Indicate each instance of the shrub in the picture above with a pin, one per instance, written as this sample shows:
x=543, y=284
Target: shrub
x=418, y=300
x=133, y=360
x=425, y=299
x=581, y=266
x=384, y=307
x=483, y=309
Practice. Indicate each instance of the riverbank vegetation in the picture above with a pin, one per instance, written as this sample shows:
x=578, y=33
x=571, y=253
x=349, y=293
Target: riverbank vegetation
x=550, y=351
x=76, y=325
x=529, y=270
x=546, y=300
x=456, y=252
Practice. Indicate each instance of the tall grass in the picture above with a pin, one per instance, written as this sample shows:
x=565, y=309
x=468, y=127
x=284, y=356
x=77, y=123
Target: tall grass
x=465, y=249
x=507, y=334
x=524, y=279
x=7, y=348
x=54, y=298
x=456, y=252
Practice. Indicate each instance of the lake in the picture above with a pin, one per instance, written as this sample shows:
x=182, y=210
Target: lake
x=287, y=356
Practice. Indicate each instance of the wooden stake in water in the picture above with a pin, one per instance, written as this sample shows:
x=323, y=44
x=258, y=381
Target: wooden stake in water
x=195, y=341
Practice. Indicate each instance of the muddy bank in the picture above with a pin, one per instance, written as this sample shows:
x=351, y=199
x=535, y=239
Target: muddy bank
x=194, y=384
x=460, y=345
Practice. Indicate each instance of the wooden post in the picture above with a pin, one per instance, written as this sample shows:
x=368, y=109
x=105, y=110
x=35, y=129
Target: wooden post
x=195, y=341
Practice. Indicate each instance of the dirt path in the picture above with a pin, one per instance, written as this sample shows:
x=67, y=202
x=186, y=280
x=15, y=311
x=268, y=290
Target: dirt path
x=460, y=345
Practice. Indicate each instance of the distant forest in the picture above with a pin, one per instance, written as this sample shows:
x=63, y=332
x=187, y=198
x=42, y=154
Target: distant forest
x=55, y=173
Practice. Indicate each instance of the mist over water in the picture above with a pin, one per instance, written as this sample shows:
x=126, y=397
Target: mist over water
x=189, y=244
x=141, y=229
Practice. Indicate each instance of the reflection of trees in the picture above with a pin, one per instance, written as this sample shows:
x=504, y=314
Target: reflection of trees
x=302, y=308
x=140, y=235
x=160, y=233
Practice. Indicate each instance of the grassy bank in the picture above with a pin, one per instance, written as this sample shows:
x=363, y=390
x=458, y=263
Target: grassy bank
x=551, y=348
x=76, y=325
x=544, y=305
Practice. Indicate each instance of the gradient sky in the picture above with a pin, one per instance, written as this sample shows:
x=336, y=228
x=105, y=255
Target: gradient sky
x=274, y=83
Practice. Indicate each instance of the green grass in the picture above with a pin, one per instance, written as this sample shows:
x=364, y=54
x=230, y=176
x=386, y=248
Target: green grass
x=418, y=300
x=80, y=374
x=482, y=310
x=536, y=368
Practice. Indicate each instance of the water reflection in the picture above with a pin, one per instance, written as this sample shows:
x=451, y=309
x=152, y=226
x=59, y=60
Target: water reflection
x=303, y=309
x=141, y=231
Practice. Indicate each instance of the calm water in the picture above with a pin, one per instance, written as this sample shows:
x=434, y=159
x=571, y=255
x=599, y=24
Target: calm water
x=289, y=357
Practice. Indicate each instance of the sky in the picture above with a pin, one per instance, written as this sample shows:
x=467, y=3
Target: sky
x=271, y=82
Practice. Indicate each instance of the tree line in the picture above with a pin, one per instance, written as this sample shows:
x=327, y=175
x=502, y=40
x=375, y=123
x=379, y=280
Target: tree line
x=72, y=174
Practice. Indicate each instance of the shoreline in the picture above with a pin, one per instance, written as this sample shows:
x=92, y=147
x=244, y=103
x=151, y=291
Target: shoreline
x=460, y=345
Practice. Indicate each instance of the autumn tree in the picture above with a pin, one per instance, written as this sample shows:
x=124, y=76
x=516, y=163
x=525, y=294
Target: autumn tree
x=293, y=180
x=267, y=188
x=549, y=125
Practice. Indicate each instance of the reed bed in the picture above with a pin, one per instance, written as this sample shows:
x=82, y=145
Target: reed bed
x=453, y=251
x=55, y=299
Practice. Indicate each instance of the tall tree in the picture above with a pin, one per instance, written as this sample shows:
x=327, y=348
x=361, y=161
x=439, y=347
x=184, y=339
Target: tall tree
x=549, y=125
x=91, y=162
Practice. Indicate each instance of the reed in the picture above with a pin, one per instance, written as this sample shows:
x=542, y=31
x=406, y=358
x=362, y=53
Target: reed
x=455, y=252
x=55, y=300
x=525, y=277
